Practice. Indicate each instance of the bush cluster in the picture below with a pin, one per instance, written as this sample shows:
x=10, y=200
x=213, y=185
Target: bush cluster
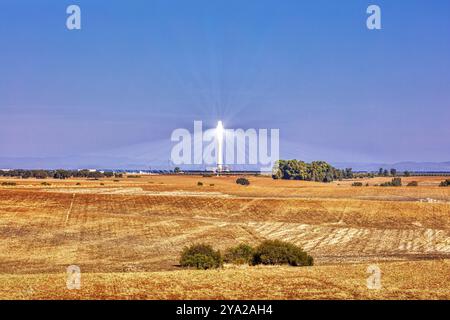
x=269, y=252
x=396, y=182
x=7, y=183
x=201, y=256
x=319, y=171
x=357, y=184
x=276, y=252
x=445, y=183
x=413, y=184
x=243, y=181
x=241, y=254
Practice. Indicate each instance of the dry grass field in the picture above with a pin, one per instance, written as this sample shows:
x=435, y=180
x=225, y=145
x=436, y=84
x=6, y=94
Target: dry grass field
x=126, y=236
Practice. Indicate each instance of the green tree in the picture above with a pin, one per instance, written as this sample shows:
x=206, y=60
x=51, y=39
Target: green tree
x=62, y=174
x=201, y=256
x=241, y=254
x=275, y=252
x=315, y=171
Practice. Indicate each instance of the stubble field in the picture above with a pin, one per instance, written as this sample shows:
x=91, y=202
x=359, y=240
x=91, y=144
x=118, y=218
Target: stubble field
x=126, y=237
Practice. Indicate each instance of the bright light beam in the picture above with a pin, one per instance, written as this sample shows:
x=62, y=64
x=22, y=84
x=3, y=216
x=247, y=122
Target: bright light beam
x=219, y=137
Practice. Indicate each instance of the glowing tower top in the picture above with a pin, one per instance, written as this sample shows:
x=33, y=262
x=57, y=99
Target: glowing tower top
x=219, y=137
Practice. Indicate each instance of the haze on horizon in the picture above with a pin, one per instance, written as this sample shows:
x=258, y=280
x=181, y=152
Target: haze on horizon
x=114, y=91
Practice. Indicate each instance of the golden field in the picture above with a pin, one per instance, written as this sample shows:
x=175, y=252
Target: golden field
x=126, y=236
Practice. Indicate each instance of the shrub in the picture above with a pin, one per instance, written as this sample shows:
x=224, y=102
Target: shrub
x=445, y=183
x=45, y=184
x=200, y=184
x=275, y=252
x=207, y=175
x=7, y=183
x=133, y=176
x=413, y=184
x=201, y=256
x=396, y=182
x=242, y=254
x=211, y=184
x=243, y=181
x=357, y=184
x=78, y=184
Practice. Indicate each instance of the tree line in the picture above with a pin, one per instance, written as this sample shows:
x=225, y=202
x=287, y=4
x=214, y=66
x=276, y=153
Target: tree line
x=322, y=171
x=319, y=171
x=58, y=174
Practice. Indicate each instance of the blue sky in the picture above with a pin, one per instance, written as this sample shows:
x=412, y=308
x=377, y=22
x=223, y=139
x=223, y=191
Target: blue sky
x=140, y=69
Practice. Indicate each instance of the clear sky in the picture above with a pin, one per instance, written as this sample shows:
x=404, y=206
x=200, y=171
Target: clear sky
x=140, y=69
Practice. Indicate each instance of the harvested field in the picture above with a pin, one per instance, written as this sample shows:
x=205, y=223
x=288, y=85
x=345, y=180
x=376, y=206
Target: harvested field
x=400, y=280
x=131, y=230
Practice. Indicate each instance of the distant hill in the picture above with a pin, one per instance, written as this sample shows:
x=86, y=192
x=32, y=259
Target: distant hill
x=399, y=166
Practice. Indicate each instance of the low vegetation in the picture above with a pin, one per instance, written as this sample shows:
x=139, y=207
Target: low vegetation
x=269, y=252
x=57, y=174
x=243, y=181
x=357, y=184
x=201, y=256
x=396, y=182
x=241, y=254
x=276, y=252
x=8, y=183
x=445, y=183
x=413, y=184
